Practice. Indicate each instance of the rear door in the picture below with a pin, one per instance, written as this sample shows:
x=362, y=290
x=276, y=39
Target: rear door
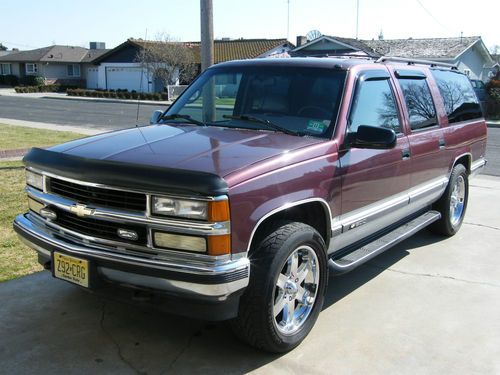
x=374, y=182
x=429, y=159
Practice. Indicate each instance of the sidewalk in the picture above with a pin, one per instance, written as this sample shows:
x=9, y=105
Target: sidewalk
x=63, y=96
x=48, y=126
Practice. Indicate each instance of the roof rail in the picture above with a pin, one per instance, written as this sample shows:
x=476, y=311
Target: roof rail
x=415, y=61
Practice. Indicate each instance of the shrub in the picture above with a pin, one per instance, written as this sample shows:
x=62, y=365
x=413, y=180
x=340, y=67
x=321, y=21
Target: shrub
x=119, y=93
x=9, y=80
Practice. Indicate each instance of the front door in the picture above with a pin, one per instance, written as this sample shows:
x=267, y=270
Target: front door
x=374, y=182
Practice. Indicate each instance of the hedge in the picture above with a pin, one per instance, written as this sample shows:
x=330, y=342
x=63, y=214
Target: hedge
x=118, y=94
x=44, y=88
x=9, y=80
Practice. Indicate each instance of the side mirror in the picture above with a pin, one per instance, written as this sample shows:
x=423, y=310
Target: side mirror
x=155, y=116
x=373, y=137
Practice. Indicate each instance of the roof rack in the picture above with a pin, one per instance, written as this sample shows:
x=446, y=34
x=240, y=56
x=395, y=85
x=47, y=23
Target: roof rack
x=415, y=61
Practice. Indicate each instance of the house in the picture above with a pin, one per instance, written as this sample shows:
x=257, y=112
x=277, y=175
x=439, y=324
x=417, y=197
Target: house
x=119, y=69
x=56, y=64
x=468, y=53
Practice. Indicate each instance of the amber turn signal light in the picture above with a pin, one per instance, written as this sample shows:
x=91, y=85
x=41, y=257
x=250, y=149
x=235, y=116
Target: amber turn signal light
x=219, y=245
x=218, y=211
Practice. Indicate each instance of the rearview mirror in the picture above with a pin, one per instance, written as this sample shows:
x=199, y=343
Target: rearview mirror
x=373, y=137
x=155, y=116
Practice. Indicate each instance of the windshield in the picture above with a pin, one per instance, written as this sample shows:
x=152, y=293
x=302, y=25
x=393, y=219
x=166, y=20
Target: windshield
x=302, y=101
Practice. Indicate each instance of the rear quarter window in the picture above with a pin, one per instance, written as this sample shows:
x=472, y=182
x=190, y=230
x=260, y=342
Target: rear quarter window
x=460, y=100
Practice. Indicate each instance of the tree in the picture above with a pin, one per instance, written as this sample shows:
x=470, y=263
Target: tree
x=2, y=47
x=168, y=60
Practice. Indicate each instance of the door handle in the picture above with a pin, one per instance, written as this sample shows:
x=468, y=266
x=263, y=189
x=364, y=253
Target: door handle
x=405, y=153
x=442, y=143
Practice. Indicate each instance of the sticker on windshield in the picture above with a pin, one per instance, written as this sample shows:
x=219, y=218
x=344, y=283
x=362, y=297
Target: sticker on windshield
x=317, y=126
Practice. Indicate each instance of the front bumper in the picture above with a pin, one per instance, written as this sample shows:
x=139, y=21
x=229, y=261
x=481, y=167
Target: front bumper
x=195, y=281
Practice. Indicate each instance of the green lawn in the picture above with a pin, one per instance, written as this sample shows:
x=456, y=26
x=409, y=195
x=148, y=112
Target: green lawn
x=15, y=137
x=17, y=259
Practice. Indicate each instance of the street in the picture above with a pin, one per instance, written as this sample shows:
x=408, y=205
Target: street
x=94, y=114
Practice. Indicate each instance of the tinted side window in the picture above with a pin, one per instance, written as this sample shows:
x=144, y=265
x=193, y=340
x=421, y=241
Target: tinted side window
x=421, y=110
x=374, y=105
x=460, y=101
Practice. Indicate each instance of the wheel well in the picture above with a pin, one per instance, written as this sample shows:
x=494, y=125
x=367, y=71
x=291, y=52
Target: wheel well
x=311, y=213
x=465, y=160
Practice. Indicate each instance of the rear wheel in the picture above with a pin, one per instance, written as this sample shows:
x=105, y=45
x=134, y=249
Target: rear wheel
x=286, y=291
x=453, y=203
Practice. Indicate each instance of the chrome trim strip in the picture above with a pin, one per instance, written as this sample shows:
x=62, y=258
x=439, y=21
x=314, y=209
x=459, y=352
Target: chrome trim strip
x=188, y=227
x=375, y=210
x=126, y=248
x=289, y=205
x=215, y=267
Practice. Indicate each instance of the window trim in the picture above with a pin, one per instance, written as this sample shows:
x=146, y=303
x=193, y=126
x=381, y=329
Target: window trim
x=73, y=69
x=374, y=75
x=2, y=72
x=425, y=79
x=34, y=70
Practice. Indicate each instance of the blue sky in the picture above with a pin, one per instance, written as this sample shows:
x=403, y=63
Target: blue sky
x=40, y=23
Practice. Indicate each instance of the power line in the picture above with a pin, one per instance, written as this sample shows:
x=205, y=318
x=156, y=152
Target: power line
x=432, y=16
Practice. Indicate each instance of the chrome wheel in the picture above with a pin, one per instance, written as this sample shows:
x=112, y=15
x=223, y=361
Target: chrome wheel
x=296, y=290
x=457, y=200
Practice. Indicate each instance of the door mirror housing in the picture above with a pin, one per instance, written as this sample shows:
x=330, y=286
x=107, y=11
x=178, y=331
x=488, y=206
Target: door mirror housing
x=373, y=137
x=155, y=116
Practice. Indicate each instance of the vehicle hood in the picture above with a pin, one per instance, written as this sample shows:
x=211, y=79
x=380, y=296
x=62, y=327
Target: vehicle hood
x=211, y=149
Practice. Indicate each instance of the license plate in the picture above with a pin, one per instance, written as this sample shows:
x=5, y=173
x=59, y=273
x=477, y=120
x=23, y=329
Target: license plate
x=71, y=269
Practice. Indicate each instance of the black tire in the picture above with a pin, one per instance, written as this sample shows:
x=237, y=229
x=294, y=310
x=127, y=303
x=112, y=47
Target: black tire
x=256, y=322
x=449, y=225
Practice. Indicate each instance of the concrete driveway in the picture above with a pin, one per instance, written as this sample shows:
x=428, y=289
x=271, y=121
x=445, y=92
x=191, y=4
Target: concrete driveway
x=429, y=306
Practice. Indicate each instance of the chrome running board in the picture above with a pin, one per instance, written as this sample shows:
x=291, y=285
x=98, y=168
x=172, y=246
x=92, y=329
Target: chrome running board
x=357, y=257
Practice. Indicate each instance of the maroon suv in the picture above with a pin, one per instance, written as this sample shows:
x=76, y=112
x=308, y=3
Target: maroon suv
x=263, y=177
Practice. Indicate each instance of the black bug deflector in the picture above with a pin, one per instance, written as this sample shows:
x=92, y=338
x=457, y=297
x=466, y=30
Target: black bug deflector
x=128, y=175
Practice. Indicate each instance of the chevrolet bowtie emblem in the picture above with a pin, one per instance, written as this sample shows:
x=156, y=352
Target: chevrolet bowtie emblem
x=81, y=210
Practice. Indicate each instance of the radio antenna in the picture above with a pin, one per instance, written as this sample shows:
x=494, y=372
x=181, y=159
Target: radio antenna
x=140, y=80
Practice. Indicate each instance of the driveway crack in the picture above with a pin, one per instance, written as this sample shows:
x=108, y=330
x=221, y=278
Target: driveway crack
x=117, y=346
x=481, y=225
x=181, y=352
x=435, y=276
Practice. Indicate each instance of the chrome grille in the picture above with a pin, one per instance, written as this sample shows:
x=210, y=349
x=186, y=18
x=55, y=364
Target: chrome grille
x=98, y=196
x=99, y=228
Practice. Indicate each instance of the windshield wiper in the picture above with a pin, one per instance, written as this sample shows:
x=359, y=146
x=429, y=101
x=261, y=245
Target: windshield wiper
x=184, y=117
x=268, y=123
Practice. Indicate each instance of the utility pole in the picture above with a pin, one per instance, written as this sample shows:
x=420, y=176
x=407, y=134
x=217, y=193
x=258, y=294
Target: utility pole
x=207, y=34
x=288, y=22
x=357, y=18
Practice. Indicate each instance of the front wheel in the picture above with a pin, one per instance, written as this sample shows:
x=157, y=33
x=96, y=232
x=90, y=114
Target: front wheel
x=453, y=203
x=288, y=280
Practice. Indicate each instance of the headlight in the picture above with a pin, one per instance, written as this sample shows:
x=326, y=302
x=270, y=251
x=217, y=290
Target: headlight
x=34, y=179
x=189, y=209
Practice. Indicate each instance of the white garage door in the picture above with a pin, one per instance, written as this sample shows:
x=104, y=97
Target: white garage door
x=126, y=78
x=92, y=82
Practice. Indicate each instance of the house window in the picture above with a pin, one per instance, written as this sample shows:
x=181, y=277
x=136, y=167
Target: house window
x=73, y=70
x=5, y=69
x=31, y=68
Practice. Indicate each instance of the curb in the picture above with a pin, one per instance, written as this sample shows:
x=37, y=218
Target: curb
x=14, y=153
x=104, y=100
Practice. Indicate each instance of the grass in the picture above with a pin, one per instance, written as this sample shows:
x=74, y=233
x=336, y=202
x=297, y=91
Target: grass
x=16, y=259
x=15, y=137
